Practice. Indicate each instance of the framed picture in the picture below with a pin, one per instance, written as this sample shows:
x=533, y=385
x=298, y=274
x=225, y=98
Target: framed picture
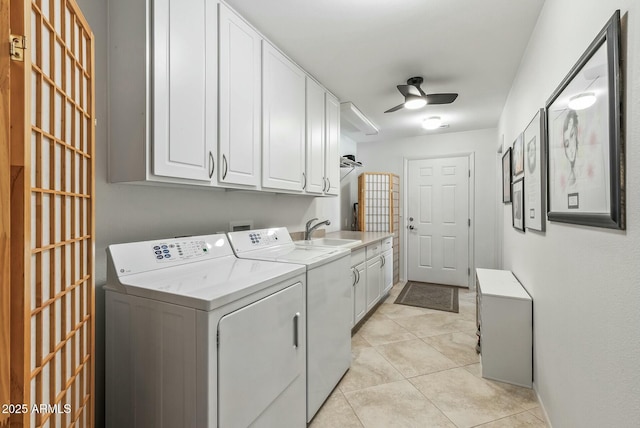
x=506, y=176
x=517, y=208
x=518, y=157
x=584, y=143
x=535, y=172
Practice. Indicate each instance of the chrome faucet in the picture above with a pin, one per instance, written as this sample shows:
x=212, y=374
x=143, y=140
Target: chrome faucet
x=308, y=230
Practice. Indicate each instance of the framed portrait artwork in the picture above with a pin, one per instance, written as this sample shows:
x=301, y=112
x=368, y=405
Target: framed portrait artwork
x=518, y=157
x=506, y=176
x=535, y=172
x=517, y=207
x=585, y=170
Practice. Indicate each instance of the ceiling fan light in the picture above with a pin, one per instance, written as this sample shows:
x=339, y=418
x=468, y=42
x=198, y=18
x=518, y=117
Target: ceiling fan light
x=582, y=101
x=412, y=102
x=432, y=123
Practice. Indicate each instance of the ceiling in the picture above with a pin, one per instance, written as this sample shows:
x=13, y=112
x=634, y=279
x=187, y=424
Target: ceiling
x=361, y=49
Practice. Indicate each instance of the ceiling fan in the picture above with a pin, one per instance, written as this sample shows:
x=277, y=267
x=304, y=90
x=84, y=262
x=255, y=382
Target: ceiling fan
x=414, y=96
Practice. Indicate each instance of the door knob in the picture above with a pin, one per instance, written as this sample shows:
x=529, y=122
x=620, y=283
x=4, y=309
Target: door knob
x=410, y=218
x=411, y=227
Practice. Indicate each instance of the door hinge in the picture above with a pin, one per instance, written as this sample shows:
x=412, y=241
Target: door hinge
x=468, y=271
x=17, y=45
x=469, y=173
x=469, y=222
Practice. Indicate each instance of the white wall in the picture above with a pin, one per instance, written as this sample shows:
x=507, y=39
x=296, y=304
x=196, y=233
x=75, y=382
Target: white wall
x=584, y=280
x=389, y=156
x=132, y=212
x=348, y=183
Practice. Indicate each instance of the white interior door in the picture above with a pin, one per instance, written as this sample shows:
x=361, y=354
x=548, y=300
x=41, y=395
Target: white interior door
x=438, y=220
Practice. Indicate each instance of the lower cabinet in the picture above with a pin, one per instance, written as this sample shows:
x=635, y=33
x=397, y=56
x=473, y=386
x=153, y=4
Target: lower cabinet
x=387, y=268
x=374, y=280
x=359, y=281
x=372, y=276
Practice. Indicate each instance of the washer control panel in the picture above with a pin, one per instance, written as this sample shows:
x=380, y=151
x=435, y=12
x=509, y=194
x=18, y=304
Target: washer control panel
x=179, y=250
x=247, y=240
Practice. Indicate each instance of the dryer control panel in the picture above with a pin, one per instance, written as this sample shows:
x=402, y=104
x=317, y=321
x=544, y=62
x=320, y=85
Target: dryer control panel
x=136, y=257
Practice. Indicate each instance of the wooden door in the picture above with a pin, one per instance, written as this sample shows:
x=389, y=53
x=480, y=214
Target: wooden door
x=5, y=219
x=52, y=212
x=438, y=220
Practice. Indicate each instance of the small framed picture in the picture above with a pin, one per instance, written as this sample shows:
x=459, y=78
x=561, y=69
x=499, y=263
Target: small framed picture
x=518, y=207
x=535, y=172
x=506, y=176
x=518, y=156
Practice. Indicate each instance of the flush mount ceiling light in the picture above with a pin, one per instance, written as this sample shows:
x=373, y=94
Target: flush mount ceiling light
x=414, y=102
x=432, y=123
x=582, y=101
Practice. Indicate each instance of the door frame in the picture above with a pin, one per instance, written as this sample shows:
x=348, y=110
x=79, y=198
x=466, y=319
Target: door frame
x=471, y=279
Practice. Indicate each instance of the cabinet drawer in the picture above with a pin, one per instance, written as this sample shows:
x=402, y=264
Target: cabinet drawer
x=373, y=250
x=387, y=244
x=357, y=256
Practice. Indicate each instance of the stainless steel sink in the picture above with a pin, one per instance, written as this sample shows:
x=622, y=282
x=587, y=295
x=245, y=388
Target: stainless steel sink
x=331, y=242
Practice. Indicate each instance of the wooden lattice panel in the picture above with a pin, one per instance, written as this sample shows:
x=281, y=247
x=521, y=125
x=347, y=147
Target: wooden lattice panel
x=61, y=296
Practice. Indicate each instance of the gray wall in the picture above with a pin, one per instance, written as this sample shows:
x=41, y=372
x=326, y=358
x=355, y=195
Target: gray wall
x=389, y=156
x=584, y=280
x=127, y=212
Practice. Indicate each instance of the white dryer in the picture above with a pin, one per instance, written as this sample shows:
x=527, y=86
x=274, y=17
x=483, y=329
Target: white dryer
x=196, y=337
x=329, y=310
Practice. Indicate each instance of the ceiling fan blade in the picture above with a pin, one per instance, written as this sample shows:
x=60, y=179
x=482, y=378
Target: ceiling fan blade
x=441, y=98
x=406, y=90
x=398, y=107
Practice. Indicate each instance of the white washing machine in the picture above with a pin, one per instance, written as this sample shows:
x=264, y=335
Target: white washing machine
x=196, y=337
x=329, y=311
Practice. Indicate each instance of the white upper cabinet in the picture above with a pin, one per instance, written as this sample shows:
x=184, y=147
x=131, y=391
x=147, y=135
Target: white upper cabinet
x=332, y=145
x=283, y=122
x=240, y=95
x=315, y=153
x=163, y=115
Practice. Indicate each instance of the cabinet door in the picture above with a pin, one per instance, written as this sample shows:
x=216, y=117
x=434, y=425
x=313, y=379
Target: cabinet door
x=332, y=145
x=374, y=279
x=183, y=133
x=387, y=267
x=359, y=292
x=240, y=95
x=283, y=121
x=315, y=153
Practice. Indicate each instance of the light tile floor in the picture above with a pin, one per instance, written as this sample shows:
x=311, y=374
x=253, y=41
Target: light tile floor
x=415, y=367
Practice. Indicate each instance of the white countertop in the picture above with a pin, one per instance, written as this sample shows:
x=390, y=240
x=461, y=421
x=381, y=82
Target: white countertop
x=500, y=283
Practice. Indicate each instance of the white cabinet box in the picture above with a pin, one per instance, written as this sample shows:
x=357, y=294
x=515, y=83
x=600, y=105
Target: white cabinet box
x=240, y=91
x=359, y=280
x=332, y=145
x=163, y=90
x=315, y=146
x=506, y=327
x=283, y=121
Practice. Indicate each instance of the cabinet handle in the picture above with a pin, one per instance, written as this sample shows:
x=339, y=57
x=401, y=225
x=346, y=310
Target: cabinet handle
x=212, y=164
x=226, y=167
x=304, y=181
x=296, y=319
x=328, y=184
x=355, y=276
x=358, y=272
